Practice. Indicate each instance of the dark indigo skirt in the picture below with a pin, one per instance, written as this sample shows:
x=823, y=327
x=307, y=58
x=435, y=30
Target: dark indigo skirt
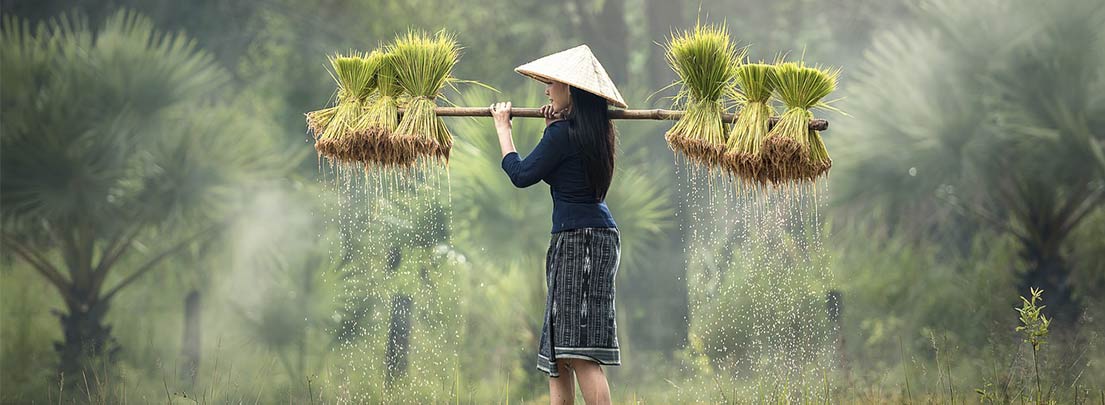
x=580, y=321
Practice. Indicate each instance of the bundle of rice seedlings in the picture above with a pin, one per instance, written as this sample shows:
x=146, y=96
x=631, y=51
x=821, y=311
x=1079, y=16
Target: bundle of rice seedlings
x=380, y=117
x=792, y=151
x=336, y=134
x=423, y=66
x=706, y=63
x=742, y=156
x=318, y=120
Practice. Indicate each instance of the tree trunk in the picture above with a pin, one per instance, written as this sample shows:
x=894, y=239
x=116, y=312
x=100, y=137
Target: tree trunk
x=606, y=32
x=190, y=342
x=663, y=16
x=834, y=305
x=351, y=319
x=1050, y=272
x=399, y=338
x=399, y=328
x=86, y=341
x=613, y=31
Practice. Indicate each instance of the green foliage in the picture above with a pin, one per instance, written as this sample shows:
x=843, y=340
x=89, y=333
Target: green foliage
x=945, y=90
x=80, y=108
x=756, y=81
x=909, y=288
x=1034, y=328
x=960, y=114
x=120, y=152
x=424, y=63
x=706, y=62
x=381, y=115
x=796, y=153
x=1033, y=323
x=493, y=214
x=355, y=74
x=340, y=130
x=804, y=87
x=742, y=156
x=996, y=140
x=423, y=66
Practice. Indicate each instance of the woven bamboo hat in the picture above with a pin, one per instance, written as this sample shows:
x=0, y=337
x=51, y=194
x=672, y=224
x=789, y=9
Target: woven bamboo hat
x=577, y=67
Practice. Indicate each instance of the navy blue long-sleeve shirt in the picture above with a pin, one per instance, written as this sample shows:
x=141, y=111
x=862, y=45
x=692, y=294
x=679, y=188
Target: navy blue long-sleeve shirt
x=557, y=162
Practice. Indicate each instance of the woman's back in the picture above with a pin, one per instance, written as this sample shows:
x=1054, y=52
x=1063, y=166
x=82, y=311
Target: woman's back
x=560, y=164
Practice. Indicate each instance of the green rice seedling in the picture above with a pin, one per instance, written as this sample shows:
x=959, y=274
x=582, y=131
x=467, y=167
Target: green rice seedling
x=1034, y=328
x=318, y=120
x=742, y=155
x=793, y=152
x=335, y=129
x=380, y=117
x=423, y=66
x=706, y=63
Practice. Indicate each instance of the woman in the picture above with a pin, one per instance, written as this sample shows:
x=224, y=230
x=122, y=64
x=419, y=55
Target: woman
x=576, y=158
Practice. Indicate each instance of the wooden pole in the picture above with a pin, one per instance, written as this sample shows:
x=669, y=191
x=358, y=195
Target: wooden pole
x=655, y=114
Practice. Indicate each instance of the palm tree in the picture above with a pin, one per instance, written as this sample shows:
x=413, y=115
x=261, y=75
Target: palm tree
x=998, y=123
x=118, y=154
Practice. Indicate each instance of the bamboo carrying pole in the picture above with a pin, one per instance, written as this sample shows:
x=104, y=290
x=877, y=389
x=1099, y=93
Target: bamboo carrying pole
x=655, y=114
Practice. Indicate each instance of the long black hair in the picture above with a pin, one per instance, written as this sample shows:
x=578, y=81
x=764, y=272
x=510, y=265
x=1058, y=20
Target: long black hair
x=592, y=133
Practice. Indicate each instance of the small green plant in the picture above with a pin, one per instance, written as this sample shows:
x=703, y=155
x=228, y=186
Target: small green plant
x=1034, y=328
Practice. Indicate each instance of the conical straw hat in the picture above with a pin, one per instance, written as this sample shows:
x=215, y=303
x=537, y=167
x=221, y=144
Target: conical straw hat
x=577, y=67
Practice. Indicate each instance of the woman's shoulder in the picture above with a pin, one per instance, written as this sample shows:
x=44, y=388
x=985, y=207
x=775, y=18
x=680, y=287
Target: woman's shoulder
x=556, y=136
x=560, y=123
x=558, y=128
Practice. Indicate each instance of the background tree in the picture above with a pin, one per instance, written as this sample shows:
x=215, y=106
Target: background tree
x=969, y=125
x=113, y=136
x=913, y=255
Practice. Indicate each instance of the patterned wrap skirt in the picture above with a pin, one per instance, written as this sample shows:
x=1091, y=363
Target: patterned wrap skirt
x=580, y=321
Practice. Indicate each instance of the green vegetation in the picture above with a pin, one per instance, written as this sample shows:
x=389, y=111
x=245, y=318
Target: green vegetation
x=794, y=151
x=423, y=66
x=742, y=155
x=339, y=130
x=706, y=61
x=120, y=152
x=169, y=236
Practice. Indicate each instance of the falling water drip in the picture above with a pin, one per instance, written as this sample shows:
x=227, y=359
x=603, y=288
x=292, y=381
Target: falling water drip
x=407, y=305
x=757, y=280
